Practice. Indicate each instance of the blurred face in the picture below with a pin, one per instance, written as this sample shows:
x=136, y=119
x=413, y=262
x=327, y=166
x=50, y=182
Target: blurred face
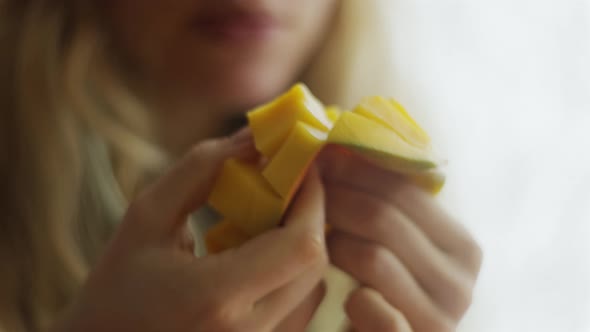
x=224, y=54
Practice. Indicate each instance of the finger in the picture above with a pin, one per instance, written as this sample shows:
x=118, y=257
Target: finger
x=298, y=319
x=378, y=268
x=368, y=311
x=444, y=230
x=277, y=257
x=420, y=206
x=307, y=211
x=164, y=205
x=277, y=305
x=186, y=240
x=362, y=215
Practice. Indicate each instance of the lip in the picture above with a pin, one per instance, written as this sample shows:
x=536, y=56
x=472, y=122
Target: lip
x=236, y=26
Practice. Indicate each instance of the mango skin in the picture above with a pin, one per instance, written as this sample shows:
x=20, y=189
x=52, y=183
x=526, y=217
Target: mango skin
x=394, y=116
x=379, y=144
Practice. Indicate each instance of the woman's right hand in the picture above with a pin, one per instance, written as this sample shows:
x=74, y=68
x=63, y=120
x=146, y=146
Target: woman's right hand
x=149, y=280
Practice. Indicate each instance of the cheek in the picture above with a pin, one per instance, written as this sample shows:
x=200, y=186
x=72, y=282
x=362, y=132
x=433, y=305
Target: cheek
x=313, y=21
x=140, y=30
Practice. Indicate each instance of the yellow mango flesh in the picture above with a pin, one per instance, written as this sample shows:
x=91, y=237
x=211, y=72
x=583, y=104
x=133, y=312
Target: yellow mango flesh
x=432, y=181
x=333, y=113
x=224, y=235
x=243, y=196
x=379, y=144
x=391, y=114
x=290, y=131
x=286, y=169
x=272, y=123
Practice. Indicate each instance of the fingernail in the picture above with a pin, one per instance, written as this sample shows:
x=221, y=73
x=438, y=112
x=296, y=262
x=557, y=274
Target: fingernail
x=241, y=144
x=242, y=135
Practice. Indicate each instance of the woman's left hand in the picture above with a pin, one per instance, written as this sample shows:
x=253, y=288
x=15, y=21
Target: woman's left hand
x=416, y=265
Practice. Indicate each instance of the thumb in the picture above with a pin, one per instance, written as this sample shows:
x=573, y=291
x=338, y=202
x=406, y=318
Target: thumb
x=166, y=203
x=307, y=210
x=275, y=258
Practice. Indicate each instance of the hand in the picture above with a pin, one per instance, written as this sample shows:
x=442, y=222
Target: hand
x=149, y=279
x=416, y=265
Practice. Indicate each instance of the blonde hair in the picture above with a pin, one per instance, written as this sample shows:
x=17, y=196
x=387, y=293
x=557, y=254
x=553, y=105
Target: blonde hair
x=356, y=60
x=69, y=127
x=75, y=143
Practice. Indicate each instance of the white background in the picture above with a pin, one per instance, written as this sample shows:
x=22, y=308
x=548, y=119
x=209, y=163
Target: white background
x=504, y=88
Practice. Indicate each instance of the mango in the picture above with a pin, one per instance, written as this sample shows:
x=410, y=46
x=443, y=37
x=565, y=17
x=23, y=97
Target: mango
x=379, y=144
x=224, y=235
x=393, y=115
x=432, y=181
x=333, y=112
x=243, y=196
x=286, y=169
x=290, y=132
x=273, y=122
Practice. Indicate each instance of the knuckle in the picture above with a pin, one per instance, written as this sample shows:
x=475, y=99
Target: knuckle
x=221, y=316
x=311, y=249
x=476, y=255
x=200, y=151
x=386, y=218
x=373, y=259
x=379, y=215
x=387, y=324
x=455, y=294
x=436, y=323
x=354, y=301
x=355, y=304
x=463, y=299
x=357, y=299
x=397, y=225
x=471, y=255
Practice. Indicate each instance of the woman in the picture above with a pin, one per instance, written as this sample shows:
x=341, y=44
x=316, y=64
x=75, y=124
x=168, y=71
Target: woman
x=98, y=96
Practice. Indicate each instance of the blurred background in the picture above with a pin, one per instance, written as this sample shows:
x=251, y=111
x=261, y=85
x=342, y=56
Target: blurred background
x=504, y=88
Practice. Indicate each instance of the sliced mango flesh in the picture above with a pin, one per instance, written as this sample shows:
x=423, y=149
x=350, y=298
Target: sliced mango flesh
x=379, y=144
x=391, y=114
x=286, y=169
x=431, y=182
x=333, y=113
x=224, y=235
x=290, y=132
x=271, y=123
x=243, y=196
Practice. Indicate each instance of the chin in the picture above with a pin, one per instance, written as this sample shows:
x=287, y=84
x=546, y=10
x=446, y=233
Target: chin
x=240, y=94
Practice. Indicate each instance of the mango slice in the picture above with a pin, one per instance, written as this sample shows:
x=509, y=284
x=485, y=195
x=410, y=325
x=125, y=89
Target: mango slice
x=224, y=235
x=391, y=114
x=432, y=181
x=243, y=196
x=290, y=132
x=286, y=169
x=333, y=113
x=272, y=123
x=379, y=144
